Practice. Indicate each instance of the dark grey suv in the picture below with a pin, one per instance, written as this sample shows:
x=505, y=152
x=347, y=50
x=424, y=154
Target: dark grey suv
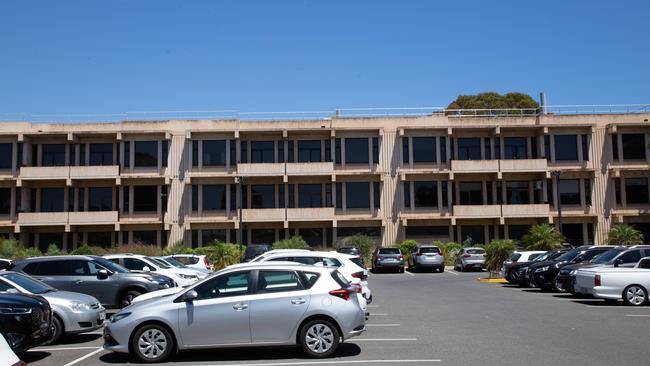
x=111, y=284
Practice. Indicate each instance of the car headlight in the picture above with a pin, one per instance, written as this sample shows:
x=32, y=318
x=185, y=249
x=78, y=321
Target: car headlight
x=573, y=272
x=80, y=306
x=186, y=277
x=541, y=269
x=119, y=316
x=15, y=311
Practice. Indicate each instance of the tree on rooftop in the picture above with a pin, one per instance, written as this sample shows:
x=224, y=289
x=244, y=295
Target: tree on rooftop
x=494, y=101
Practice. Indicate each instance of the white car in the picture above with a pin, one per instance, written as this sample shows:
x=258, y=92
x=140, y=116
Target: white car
x=342, y=261
x=174, y=263
x=9, y=358
x=614, y=283
x=196, y=261
x=140, y=263
x=522, y=257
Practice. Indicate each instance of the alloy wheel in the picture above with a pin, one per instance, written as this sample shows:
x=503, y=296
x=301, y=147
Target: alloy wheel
x=152, y=343
x=319, y=338
x=635, y=295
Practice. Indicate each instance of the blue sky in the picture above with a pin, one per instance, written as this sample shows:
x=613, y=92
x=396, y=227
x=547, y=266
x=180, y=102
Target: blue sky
x=116, y=56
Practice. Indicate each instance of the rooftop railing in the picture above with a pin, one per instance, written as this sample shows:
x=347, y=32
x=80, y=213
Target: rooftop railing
x=324, y=114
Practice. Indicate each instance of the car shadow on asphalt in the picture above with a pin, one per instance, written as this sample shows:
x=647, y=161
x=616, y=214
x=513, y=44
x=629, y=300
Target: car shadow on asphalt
x=237, y=354
x=79, y=338
x=596, y=302
x=33, y=356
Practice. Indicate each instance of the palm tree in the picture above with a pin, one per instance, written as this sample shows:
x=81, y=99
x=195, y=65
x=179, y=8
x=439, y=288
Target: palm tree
x=623, y=234
x=543, y=237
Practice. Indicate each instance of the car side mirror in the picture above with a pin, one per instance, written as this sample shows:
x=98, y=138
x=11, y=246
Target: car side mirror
x=146, y=269
x=102, y=274
x=190, y=296
x=12, y=291
x=618, y=262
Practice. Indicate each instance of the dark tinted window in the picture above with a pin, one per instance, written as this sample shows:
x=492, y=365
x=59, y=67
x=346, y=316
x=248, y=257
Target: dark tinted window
x=99, y=238
x=429, y=250
x=214, y=197
x=145, y=237
x=424, y=149
x=636, y=190
x=471, y=193
x=514, y=148
x=51, y=199
x=631, y=256
x=569, y=190
x=53, y=155
x=135, y=264
x=405, y=149
x=5, y=200
x=473, y=232
x=634, y=146
x=145, y=198
x=425, y=194
x=607, y=256
x=278, y=281
x=309, y=151
x=146, y=153
x=357, y=195
x=213, y=235
x=356, y=150
x=469, y=148
x=232, y=284
x=263, y=236
x=515, y=257
x=262, y=152
x=309, y=195
x=475, y=251
x=310, y=278
x=214, y=152
x=263, y=196
x=5, y=153
x=566, y=147
x=100, y=198
x=101, y=154
x=590, y=254
x=389, y=251
x=517, y=193
x=48, y=268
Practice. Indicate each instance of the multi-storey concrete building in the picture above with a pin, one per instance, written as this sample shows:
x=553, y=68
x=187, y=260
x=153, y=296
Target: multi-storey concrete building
x=436, y=176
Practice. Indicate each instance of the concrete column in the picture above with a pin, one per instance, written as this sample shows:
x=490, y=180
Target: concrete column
x=371, y=190
x=410, y=140
x=438, y=150
x=623, y=193
x=12, y=207
x=545, y=197
x=529, y=147
x=227, y=199
x=580, y=157
x=449, y=195
x=342, y=155
x=371, y=161
x=482, y=146
x=583, y=201
x=484, y=190
x=455, y=147
x=551, y=144
x=556, y=197
x=344, y=201
x=39, y=151
x=411, y=195
x=585, y=233
x=439, y=193
x=200, y=201
x=14, y=155
x=130, y=204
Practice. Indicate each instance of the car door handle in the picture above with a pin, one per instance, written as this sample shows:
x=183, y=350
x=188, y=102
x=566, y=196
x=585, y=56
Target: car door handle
x=298, y=301
x=77, y=282
x=240, y=307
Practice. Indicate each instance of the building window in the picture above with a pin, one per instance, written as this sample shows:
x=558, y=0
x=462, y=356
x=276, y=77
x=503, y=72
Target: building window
x=566, y=147
x=471, y=193
x=614, y=139
x=309, y=151
x=145, y=198
x=312, y=236
x=445, y=198
x=145, y=237
x=415, y=232
x=339, y=195
x=487, y=152
x=517, y=232
x=356, y=150
x=100, y=154
x=617, y=190
x=573, y=234
x=425, y=194
x=214, y=197
x=209, y=236
x=233, y=153
x=569, y=191
x=244, y=151
x=146, y=153
x=53, y=155
x=587, y=191
x=262, y=236
x=309, y=195
x=262, y=152
x=424, y=150
x=328, y=150
x=517, y=193
x=290, y=151
x=100, y=198
x=281, y=152
x=5, y=201
x=469, y=148
x=377, y=194
x=405, y=150
x=127, y=154
x=214, y=152
x=472, y=233
x=5, y=152
x=99, y=238
x=51, y=199
x=585, y=147
x=195, y=153
x=375, y=150
x=634, y=146
x=262, y=196
x=195, y=197
x=636, y=190
x=514, y=148
x=371, y=231
x=357, y=195
x=406, y=186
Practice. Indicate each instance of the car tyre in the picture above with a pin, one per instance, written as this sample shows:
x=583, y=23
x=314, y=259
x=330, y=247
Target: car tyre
x=128, y=296
x=558, y=288
x=319, y=338
x=57, y=331
x=152, y=343
x=635, y=295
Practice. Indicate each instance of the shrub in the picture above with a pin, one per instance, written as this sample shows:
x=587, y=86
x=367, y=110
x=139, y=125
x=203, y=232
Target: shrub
x=86, y=249
x=623, y=234
x=450, y=250
x=221, y=255
x=542, y=237
x=295, y=242
x=52, y=249
x=364, y=243
x=27, y=253
x=407, y=247
x=9, y=248
x=143, y=249
x=178, y=248
x=496, y=252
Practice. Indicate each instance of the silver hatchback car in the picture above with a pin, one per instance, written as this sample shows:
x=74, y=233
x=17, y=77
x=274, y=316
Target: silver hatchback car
x=470, y=258
x=426, y=257
x=261, y=304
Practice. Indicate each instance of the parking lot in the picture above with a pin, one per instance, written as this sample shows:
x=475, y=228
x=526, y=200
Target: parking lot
x=440, y=318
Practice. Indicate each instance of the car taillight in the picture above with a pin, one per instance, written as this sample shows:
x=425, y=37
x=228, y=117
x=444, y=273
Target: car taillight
x=341, y=293
x=401, y=257
x=466, y=255
x=359, y=275
x=357, y=288
x=206, y=261
x=380, y=258
x=597, y=280
x=419, y=254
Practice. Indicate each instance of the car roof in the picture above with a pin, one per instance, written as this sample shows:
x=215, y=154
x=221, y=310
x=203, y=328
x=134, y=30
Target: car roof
x=473, y=248
x=124, y=255
x=271, y=265
x=54, y=257
x=427, y=246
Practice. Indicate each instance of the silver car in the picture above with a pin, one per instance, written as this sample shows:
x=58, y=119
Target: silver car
x=262, y=304
x=73, y=312
x=470, y=258
x=427, y=257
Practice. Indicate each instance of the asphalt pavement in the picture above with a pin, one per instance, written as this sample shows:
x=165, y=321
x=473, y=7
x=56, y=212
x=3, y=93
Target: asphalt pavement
x=444, y=318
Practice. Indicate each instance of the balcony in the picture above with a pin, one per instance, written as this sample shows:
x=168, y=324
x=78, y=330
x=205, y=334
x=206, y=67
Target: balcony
x=523, y=211
x=307, y=169
x=475, y=166
x=310, y=214
x=93, y=218
x=208, y=217
x=45, y=173
x=477, y=211
x=42, y=218
x=263, y=214
x=357, y=169
x=357, y=214
x=95, y=172
x=141, y=218
x=261, y=169
x=522, y=165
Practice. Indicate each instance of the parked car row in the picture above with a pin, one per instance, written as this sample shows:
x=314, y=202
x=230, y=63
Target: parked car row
x=607, y=272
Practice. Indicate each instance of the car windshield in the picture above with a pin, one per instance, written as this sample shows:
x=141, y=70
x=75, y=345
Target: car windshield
x=32, y=285
x=607, y=256
x=514, y=257
x=159, y=263
x=429, y=250
x=174, y=262
x=544, y=256
x=591, y=254
x=569, y=255
x=389, y=251
x=116, y=268
x=475, y=251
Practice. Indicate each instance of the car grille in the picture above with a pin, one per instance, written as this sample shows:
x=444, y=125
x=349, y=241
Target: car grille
x=94, y=305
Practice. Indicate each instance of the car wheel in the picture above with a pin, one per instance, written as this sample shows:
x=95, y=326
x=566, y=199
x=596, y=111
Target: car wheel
x=558, y=287
x=152, y=343
x=57, y=331
x=635, y=295
x=128, y=297
x=319, y=338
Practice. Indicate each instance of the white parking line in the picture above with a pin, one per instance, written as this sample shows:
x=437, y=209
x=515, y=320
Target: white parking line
x=451, y=272
x=340, y=362
x=378, y=314
x=373, y=306
x=383, y=325
x=62, y=349
x=409, y=273
x=632, y=315
x=84, y=357
x=384, y=339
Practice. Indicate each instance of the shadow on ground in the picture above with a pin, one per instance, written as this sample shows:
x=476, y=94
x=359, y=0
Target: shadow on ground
x=33, y=356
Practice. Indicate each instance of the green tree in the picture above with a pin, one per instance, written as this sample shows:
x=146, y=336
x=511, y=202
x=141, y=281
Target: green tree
x=496, y=253
x=492, y=100
x=542, y=237
x=53, y=249
x=295, y=242
x=623, y=234
x=450, y=250
x=364, y=243
x=407, y=247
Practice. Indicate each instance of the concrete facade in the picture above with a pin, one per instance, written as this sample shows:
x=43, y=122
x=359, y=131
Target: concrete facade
x=433, y=177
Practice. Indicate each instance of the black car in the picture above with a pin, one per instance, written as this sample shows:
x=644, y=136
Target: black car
x=349, y=250
x=543, y=273
x=516, y=274
x=25, y=320
x=255, y=250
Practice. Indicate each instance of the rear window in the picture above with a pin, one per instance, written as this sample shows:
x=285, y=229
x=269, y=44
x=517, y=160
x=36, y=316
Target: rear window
x=187, y=260
x=389, y=251
x=515, y=257
x=358, y=262
x=338, y=277
x=534, y=255
x=430, y=250
x=475, y=251
x=309, y=279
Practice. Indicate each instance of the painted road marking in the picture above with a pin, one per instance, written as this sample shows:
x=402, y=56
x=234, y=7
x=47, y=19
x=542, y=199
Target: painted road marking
x=409, y=273
x=383, y=325
x=84, y=357
x=63, y=349
x=384, y=339
x=341, y=362
x=632, y=315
